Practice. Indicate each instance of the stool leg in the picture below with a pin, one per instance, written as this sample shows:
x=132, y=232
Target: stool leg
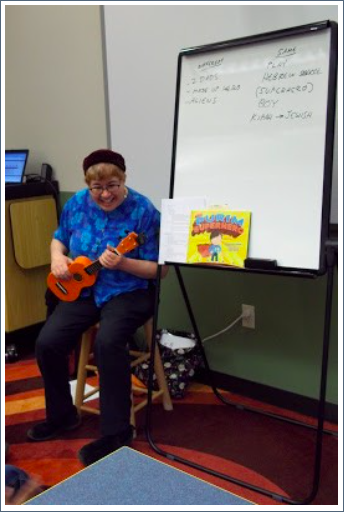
x=158, y=368
x=82, y=372
x=160, y=377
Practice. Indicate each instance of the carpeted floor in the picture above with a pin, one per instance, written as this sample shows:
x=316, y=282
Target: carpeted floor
x=265, y=452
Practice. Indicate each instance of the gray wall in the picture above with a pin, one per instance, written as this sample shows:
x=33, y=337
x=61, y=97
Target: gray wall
x=56, y=106
x=143, y=43
x=55, y=103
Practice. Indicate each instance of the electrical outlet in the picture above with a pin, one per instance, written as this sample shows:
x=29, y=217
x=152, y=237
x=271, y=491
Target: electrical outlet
x=249, y=316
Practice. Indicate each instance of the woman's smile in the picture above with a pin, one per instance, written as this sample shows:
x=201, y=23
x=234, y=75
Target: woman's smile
x=108, y=195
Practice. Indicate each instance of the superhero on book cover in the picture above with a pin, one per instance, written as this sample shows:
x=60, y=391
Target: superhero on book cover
x=219, y=237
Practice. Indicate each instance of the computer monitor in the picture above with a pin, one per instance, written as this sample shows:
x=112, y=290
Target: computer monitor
x=15, y=163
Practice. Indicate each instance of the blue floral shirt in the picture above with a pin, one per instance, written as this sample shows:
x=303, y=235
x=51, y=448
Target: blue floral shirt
x=85, y=230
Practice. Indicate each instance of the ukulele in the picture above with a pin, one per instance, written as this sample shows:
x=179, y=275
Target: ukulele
x=84, y=271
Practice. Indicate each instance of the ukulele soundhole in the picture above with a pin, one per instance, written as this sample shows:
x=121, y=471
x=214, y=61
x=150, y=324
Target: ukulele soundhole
x=77, y=277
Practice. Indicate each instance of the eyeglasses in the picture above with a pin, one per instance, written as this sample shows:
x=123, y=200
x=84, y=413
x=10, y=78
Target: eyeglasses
x=97, y=190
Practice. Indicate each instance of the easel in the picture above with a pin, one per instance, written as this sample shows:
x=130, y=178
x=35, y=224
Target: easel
x=331, y=248
x=196, y=136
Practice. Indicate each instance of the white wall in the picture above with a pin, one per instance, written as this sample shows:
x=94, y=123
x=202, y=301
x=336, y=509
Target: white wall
x=55, y=103
x=142, y=45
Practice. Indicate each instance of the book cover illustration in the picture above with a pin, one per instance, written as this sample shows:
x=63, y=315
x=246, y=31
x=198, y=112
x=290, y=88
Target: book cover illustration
x=219, y=237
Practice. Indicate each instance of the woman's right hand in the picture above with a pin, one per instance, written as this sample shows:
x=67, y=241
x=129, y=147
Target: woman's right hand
x=60, y=266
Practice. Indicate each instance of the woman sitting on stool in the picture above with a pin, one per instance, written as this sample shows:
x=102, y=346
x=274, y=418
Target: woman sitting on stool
x=121, y=300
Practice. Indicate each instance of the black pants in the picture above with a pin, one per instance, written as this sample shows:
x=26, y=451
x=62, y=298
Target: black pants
x=119, y=319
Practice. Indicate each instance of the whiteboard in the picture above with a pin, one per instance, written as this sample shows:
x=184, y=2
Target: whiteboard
x=254, y=130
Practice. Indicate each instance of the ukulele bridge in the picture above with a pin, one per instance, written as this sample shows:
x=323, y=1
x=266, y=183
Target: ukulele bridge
x=61, y=288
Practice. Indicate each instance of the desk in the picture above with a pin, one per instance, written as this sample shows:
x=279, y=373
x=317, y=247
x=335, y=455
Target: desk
x=30, y=220
x=127, y=477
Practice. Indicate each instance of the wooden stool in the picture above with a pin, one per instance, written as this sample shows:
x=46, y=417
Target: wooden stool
x=84, y=366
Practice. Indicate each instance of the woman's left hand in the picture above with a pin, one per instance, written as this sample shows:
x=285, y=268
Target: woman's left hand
x=109, y=259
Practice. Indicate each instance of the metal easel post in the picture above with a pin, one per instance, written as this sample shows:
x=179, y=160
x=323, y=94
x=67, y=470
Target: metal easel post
x=331, y=260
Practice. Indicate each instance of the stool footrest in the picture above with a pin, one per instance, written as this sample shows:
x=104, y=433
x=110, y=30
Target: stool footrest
x=92, y=410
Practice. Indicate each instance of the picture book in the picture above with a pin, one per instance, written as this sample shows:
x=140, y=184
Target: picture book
x=219, y=236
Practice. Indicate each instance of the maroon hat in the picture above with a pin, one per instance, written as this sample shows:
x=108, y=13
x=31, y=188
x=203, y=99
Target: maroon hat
x=103, y=156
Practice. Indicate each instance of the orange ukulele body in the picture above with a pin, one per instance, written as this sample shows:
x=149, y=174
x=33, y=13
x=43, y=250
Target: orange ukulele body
x=84, y=271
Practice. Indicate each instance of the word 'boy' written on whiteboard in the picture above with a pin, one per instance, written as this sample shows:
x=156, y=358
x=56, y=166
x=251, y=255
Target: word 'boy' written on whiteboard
x=278, y=87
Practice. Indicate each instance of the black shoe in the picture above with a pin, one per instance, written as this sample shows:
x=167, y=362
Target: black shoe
x=45, y=431
x=92, y=452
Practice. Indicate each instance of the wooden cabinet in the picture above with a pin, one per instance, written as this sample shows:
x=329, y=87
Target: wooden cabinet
x=29, y=226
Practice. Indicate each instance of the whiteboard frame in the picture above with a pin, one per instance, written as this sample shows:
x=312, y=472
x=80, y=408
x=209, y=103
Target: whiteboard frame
x=330, y=127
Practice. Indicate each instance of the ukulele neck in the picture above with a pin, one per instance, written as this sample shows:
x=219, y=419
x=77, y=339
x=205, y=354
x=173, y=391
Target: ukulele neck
x=93, y=267
x=96, y=265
